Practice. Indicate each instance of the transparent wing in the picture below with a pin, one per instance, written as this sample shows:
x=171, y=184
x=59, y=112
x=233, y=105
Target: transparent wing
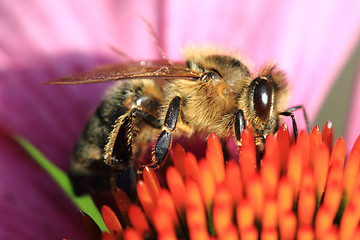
x=141, y=70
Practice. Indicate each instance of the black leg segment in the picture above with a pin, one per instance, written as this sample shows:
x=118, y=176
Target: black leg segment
x=164, y=141
x=172, y=113
x=289, y=113
x=239, y=124
x=162, y=146
x=294, y=108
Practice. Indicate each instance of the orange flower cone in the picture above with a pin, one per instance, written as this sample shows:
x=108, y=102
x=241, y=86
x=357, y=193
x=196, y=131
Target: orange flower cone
x=303, y=190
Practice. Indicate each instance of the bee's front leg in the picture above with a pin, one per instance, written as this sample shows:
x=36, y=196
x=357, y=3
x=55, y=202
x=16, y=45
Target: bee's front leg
x=164, y=141
x=289, y=113
x=239, y=125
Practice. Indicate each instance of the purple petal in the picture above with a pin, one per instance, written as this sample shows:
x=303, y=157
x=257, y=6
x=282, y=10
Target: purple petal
x=31, y=204
x=44, y=42
x=45, y=46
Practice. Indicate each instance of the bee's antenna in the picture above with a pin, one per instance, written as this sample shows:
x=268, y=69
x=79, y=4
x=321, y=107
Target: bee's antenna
x=156, y=41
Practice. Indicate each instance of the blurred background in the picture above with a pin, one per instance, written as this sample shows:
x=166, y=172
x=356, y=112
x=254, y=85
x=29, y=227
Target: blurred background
x=337, y=104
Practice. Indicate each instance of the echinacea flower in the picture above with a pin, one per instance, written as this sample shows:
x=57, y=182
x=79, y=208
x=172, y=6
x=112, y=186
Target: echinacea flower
x=44, y=40
x=312, y=192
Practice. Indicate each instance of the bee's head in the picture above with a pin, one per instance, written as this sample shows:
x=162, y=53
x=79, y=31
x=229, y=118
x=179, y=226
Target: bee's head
x=265, y=98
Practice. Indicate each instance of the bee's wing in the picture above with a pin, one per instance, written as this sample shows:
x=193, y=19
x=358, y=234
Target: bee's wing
x=109, y=73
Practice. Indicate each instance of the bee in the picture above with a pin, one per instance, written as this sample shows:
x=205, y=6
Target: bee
x=211, y=92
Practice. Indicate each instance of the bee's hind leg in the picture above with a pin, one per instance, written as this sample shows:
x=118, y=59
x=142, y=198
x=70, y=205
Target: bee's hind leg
x=120, y=149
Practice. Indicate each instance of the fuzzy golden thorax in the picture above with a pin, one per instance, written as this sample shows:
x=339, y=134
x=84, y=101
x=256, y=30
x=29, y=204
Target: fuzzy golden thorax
x=209, y=104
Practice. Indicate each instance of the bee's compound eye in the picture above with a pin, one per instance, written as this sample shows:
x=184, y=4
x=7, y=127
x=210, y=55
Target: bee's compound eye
x=262, y=98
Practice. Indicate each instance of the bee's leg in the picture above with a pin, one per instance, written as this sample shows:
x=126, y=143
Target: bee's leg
x=164, y=141
x=119, y=150
x=239, y=125
x=289, y=113
x=293, y=109
x=126, y=181
x=149, y=119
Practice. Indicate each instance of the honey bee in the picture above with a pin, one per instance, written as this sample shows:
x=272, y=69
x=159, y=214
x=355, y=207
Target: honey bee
x=212, y=93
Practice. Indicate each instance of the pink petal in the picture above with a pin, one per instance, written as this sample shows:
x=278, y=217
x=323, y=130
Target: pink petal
x=31, y=203
x=353, y=120
x=309, y=40
x=45, y=41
